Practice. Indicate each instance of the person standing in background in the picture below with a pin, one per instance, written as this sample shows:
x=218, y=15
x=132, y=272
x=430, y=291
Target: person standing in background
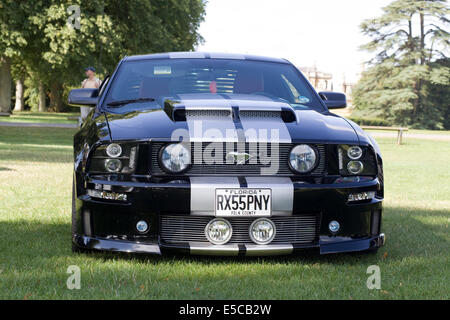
x=90, y=82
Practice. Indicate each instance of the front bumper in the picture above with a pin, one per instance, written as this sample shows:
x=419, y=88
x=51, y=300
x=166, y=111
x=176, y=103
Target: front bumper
x=110, y=225
x=326, y=245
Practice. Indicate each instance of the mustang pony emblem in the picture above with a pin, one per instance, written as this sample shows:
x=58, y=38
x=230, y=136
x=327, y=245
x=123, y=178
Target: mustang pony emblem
x=239, y=157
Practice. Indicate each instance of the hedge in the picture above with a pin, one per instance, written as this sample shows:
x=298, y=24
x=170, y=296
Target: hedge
x=370, y=121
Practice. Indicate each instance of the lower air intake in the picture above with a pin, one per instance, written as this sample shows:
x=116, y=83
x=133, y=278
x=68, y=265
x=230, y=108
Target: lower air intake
x=300, y=229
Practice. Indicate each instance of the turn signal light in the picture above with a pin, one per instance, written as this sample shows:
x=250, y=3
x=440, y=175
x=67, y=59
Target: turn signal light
x=107, y=195
x=368, y=195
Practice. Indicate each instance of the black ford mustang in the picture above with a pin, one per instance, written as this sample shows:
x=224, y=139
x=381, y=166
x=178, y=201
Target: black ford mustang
x=221, y=154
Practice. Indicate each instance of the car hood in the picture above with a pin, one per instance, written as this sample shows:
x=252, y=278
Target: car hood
x=257, y=120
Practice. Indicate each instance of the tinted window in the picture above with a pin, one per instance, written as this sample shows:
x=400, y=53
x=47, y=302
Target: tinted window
x=167, y=78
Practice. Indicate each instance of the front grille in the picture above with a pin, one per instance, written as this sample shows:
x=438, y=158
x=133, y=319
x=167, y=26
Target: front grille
x=202, y=167
x=299, y=229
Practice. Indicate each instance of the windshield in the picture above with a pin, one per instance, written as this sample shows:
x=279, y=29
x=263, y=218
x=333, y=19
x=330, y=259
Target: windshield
x=139, y=81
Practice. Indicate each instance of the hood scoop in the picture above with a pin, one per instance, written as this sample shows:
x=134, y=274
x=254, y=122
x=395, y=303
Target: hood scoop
x=208, y=113
x=212, y=109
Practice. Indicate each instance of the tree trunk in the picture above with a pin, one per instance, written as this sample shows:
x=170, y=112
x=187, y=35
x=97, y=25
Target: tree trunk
x=19, y=95
x=411, y=39
x=5, y=84
x=56, y=94
x=410, y=28
x=422, y=38
x=419, y=84
x=42, y=106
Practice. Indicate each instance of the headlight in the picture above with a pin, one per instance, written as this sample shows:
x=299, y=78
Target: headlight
x=302, y=158
x=114, y=158
x=175, y=157
x=113, y=165
x=114, y=150
x=356, y=160
x=354, y=152
x=355, y=167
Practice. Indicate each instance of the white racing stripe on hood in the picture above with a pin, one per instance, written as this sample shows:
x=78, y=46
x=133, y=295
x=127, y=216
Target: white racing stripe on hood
x=265, y=130
x=210, y=120
x=262, y=122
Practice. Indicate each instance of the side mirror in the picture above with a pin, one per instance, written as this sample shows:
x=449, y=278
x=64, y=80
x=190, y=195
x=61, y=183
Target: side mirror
x=83, y=97
x=334, y=100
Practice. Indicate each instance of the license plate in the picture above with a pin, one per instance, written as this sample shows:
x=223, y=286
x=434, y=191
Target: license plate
x=243, y=202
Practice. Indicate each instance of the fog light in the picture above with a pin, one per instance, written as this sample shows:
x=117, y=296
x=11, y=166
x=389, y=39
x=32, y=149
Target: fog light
x=218, y=231
x=142, y=226
x=262, y=231
x=368, y=195
x=334, y=226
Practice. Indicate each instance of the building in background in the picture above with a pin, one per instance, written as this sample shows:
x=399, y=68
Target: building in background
x=321, y=81
x=347, y=87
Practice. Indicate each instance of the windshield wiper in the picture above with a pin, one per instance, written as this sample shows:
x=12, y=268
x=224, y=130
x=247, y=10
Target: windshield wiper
x=123, y=102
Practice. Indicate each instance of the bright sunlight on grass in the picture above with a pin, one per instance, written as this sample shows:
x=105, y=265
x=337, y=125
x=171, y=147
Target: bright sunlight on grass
x=41, y=117
x=35, y=194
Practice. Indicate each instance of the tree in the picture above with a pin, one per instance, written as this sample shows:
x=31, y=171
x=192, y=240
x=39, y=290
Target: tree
x=5, y=84
x=12, y=41
x=407, y=39
x=19, y=45
x=19, y=72
x=54, y=53
x=108, y=31
x=439, y=93
x=63, y=50
x=163, y=25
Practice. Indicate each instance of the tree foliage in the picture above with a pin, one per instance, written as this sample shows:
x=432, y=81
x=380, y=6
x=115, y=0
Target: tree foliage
x=40, y=42
x=407, y=41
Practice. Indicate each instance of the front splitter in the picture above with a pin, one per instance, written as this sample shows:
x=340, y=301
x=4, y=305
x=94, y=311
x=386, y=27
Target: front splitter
x=326, y=244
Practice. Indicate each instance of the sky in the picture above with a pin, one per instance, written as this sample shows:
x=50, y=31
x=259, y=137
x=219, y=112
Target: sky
x=324, y=33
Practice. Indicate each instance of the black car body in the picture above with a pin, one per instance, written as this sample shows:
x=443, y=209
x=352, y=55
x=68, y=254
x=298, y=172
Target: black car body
x=221, y=154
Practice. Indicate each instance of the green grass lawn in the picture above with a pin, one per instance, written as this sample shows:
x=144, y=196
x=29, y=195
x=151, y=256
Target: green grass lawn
x=444, y=133
x=35, y=194
x=41, y=117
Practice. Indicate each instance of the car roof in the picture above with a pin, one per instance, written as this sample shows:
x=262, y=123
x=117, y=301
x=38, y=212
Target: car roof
x=204, y=55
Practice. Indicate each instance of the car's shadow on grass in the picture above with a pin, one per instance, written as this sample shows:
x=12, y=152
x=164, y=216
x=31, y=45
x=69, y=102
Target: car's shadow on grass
x=407, y=235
